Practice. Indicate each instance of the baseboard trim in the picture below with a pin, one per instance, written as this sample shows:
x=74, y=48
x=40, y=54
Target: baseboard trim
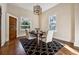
x=62, y=40
x=76, y=47
x=65, y=42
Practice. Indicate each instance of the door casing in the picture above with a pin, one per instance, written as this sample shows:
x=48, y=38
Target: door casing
x=12, y=28
x=8, y=14
x=0, y=26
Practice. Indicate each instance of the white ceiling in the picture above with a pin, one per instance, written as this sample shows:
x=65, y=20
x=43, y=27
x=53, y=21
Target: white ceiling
x=29, y=6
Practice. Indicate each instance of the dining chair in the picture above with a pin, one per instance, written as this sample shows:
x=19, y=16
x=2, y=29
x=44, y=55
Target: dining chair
x=47, y=38
x=29, y=36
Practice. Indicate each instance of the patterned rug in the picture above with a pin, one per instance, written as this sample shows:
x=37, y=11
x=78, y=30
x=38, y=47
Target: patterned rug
x=32, y=48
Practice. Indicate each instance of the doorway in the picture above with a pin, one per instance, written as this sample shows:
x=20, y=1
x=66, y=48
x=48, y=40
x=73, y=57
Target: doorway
x=12, y=28
x=0, y=26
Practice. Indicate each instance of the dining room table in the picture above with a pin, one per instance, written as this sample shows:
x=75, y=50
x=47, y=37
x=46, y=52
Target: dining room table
x=38, y=34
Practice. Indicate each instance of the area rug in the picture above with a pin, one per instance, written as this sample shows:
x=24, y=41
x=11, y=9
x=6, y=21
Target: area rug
x=31, y=47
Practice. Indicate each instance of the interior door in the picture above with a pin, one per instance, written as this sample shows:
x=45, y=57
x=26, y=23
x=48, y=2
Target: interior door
x=12, y=28
x=0, y=27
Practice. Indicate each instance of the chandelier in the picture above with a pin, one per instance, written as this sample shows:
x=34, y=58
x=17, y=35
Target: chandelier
x=37, y=10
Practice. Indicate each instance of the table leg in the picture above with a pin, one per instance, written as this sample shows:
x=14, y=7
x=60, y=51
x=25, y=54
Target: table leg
x=38, y=39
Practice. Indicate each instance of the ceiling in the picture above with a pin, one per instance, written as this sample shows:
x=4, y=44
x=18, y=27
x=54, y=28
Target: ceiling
x=29, y=6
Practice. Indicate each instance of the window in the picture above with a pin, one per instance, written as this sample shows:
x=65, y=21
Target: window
x=25, y=23
x=52, y=23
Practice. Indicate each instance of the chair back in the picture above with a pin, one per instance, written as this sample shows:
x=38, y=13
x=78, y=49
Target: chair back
x=49, y=36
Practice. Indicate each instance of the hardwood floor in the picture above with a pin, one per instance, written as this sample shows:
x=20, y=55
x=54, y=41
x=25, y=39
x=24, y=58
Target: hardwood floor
x=67, y=43
x=12, y=48
x=65, y=51
x=15, y=48
x=68, y=48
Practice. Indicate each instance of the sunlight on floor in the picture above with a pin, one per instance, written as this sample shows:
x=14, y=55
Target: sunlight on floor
x=71, y=49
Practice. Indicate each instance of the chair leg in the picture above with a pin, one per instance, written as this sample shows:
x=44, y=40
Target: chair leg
x=46, y=45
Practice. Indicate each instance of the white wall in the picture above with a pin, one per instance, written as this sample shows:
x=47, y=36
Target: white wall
x=19, y=12
x=76, y=25
x=3, y=27
x=64, y=16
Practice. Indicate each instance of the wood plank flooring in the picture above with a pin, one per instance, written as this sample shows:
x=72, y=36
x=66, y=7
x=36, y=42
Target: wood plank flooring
x=15, y=48
x=12, y=48
x=65, y=51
